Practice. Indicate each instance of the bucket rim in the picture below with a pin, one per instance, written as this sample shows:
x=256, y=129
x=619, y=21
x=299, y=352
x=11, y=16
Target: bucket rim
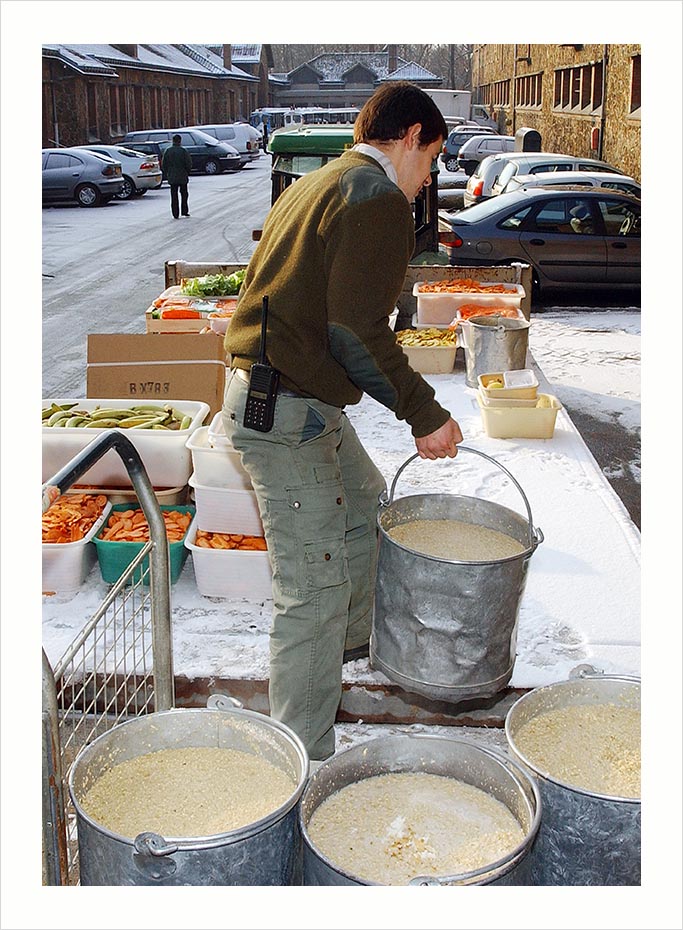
x=526, y=553
x=212, y=840
x=513, y=769
x=546, y=776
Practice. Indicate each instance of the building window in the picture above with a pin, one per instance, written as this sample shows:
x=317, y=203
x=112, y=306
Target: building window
x=93, y=134
x=528, y=90
x=634, y=106
x=579, y=89
x=117, y=111
x=496, y=94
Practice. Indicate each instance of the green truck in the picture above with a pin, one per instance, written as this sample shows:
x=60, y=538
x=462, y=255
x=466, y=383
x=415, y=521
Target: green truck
x=296, y=151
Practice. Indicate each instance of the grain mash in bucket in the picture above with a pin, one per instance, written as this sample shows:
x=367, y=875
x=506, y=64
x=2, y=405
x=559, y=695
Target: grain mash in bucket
x=455, y=540
x=388, y=829
x=187, y=792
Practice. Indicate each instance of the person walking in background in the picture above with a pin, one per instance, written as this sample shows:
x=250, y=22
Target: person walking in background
x=176, y=165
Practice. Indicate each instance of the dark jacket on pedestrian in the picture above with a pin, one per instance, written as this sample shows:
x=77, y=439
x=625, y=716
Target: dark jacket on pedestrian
x=176, y=164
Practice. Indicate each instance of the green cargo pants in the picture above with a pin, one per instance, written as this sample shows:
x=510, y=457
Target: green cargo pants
x=317, y=491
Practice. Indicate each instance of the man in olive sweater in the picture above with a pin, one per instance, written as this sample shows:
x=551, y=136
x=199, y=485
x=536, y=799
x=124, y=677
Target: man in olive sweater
x=332, y=260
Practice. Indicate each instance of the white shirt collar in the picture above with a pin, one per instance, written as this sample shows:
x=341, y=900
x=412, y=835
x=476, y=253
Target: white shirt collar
x=380, y=157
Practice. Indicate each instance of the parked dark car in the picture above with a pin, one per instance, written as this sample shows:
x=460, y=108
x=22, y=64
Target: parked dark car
x=208, y=154
x=572, y=238
x=457, y=138
x=75, y=174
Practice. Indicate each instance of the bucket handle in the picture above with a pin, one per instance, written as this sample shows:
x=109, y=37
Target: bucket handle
x=535, y=534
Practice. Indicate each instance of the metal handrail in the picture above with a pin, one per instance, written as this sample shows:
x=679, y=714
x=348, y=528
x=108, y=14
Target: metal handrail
x=56, y=859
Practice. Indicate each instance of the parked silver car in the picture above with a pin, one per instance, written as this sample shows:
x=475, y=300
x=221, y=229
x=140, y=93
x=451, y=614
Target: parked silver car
x=583, y=237
x=74, y=174
x=456, y=139
x=540, y=162
x=140, y=172
x=559, y=179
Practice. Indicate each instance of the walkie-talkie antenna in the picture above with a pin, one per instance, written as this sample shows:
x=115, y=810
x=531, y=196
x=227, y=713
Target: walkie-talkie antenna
x=264, y=328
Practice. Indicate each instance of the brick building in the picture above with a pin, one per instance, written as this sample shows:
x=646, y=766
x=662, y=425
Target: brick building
x=97, y=93
x=583, y=99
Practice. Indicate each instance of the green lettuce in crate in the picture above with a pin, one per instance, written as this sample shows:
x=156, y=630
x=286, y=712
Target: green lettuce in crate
x=214, y=285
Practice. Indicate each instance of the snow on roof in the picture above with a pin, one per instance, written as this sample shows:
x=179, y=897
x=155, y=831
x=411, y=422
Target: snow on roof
x=411, y=71
x=333, y=65
x=96, y=59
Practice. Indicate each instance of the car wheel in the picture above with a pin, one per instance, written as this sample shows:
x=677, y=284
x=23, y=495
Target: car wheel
x=128, y=189
x=452, y=164
x=139, y=193
x=88, y=195
x=212, y=166
x=469, y=167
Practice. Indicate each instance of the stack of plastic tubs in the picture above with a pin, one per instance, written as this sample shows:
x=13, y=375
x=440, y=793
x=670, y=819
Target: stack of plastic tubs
x=226, y=504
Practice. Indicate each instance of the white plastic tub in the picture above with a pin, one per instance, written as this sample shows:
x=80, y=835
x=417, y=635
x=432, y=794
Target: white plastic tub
x=517, y=385
x=216, y=464
x=493, y=401
x=229, y=572
x=520, y=422
x=67, y=565
x=164, y=454
x=431, y=360
x=226, y=510
x=441, y=308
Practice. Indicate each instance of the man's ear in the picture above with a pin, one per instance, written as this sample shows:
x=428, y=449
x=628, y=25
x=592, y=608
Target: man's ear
x=413, y=135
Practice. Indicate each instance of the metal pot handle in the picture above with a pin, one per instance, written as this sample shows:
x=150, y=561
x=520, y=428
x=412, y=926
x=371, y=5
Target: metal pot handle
x=535, y=534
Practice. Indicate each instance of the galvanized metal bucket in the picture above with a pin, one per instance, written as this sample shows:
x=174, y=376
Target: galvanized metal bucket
x=585, y=838
x=494, y=343
x=267, y=852
x=442, y=628
x=490, y=771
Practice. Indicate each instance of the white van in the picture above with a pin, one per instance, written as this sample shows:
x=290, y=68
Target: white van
x=240, y=136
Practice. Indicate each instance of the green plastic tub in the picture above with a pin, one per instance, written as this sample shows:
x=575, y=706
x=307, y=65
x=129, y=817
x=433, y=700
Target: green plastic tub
x=115, y=557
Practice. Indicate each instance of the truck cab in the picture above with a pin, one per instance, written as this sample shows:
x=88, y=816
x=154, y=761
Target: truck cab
x=298, y=150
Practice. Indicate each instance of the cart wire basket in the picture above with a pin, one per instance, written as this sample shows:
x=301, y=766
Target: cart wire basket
x=118, y=666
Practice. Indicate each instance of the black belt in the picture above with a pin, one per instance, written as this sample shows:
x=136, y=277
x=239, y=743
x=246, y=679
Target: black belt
x=244, y=375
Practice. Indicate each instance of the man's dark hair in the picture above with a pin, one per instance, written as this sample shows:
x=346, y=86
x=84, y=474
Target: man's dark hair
x=176, y=139
x=393, y=109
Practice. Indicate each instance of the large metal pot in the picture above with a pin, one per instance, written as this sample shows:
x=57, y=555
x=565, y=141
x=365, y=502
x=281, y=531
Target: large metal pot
x=455, y=758
x=585, y=838
x=266, y=852
x=494, y=343
x=443, y=628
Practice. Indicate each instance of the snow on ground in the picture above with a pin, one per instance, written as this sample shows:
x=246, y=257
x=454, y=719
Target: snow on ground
x=592, y=360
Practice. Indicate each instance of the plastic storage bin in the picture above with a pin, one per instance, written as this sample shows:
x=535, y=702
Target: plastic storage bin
x=431, y=360
x=520, y=422
x=115, y=557
x=226, y=510
x=163, y=452
x=441, y=308
x=67, y=565
x=520, y=385
x=124, y=496
x=229, y=572
x=215, y=463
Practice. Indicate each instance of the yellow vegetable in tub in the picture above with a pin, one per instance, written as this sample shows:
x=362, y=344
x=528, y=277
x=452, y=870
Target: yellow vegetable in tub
x=495, y=383
x=543, y=401
x=445, y=338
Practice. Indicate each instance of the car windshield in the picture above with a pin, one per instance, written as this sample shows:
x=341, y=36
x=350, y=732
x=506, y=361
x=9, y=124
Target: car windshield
x=484, y=209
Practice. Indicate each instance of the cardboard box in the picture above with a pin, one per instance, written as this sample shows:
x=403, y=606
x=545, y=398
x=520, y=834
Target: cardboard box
x=157, y=366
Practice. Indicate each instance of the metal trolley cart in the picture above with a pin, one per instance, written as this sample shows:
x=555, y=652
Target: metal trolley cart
x=119, y=666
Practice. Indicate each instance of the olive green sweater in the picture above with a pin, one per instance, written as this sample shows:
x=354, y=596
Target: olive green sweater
x=332, y=260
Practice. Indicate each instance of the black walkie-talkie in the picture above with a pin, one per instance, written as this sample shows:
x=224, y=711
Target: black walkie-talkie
x=263, y=383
